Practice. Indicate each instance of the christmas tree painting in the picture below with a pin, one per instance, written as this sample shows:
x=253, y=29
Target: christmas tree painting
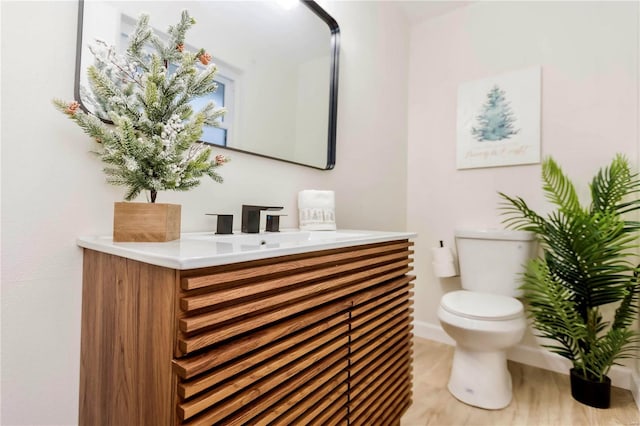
x=496, y=119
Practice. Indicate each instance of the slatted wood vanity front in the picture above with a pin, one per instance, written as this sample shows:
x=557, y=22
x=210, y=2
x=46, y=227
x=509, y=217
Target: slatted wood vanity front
x=322, y=337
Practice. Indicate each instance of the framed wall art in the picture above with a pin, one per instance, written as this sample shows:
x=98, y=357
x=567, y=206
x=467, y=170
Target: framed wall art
x=498, y=122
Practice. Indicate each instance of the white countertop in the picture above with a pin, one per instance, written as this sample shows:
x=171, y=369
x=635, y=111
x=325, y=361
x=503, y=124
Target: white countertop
x=202, y=249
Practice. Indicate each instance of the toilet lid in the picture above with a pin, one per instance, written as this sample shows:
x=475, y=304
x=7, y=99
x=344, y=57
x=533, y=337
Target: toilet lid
x=483, y=306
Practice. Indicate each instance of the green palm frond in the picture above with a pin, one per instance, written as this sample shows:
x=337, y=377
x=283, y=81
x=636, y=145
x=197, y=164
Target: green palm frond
x=520, y=216
x=611, y=184
x=558, y=188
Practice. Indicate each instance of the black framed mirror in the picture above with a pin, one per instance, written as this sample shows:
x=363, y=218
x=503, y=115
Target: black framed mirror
x=277, y=69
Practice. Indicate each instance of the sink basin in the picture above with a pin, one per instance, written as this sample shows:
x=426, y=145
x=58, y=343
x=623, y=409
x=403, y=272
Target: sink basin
x=265, y=238
x=271, y=239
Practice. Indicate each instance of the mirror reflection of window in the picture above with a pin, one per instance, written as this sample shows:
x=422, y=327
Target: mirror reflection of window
x=223, y=97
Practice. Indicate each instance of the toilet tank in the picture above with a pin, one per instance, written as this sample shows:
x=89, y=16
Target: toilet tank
x=492, y=261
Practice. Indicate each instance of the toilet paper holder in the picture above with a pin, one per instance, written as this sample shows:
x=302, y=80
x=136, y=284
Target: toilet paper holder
x=444, y=264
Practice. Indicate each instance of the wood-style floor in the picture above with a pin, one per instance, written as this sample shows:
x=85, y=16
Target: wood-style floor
x=540, y=397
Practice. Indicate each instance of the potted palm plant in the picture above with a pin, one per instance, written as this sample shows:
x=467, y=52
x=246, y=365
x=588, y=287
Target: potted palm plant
x=587, y=262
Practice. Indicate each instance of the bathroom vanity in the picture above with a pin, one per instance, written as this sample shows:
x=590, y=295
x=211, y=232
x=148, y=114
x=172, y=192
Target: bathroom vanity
x=283, y=328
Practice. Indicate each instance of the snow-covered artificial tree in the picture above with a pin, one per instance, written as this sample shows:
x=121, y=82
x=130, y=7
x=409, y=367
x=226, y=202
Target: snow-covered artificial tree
x=152, y=140
x=496, y=119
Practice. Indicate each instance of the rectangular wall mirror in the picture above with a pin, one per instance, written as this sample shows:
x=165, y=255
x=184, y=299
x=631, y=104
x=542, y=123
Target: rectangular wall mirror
x=277, y=69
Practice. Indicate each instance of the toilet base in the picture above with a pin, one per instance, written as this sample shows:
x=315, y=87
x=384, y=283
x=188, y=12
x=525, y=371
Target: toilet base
x=480, y=378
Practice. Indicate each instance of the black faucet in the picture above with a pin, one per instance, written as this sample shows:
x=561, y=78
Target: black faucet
x=251, y=218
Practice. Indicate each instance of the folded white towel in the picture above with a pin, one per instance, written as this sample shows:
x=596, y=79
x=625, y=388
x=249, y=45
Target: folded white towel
x=316, y=210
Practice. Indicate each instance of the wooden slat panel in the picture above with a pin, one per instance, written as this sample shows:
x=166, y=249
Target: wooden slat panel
x=259, y=378
x=365, y=296
x=337, y=409
x=376, y=367
x=207, y=319
x=292, y=405
x=396, y=407
x=254, y=400
x=382, y=380
x=313, y=414
x=364, y=375
x=369, y=400
x=243, y=272
x=398, y=312
x=380, y=353
x=189, y=344
x=388, y=403
x=379, y=315
x=361, y=358
x=388, y=406
x=249, y=375
x=255, y=287
x=383, y=331
x=378, y=350
x=340, y=418
x=311, y=323
x=390, y=374
x=376, y=303
x=311, y=397
x=383, y=300
x=367, y=313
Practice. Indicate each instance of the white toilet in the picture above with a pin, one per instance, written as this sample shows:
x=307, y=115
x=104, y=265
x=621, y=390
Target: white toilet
x=485, y=318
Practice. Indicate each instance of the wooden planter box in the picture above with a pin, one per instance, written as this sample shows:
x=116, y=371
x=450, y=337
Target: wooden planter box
x=146, y=222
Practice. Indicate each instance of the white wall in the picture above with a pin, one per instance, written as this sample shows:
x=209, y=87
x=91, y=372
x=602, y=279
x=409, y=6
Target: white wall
x=53, y=189
x=588, y=52
x=312, y=82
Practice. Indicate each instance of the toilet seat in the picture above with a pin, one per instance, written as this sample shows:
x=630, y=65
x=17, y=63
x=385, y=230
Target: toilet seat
x=481, y=306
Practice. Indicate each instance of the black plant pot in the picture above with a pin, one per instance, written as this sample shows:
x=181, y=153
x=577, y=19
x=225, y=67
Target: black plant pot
x=594, y=394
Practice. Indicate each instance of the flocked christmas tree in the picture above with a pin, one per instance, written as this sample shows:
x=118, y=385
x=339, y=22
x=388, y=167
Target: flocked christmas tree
x=153, y=141
x=496, y=119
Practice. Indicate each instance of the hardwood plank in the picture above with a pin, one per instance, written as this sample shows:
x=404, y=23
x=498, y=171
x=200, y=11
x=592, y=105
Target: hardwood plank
x=540, y=397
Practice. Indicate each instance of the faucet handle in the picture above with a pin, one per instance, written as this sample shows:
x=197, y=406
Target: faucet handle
x=224, y=224
x=273, y=222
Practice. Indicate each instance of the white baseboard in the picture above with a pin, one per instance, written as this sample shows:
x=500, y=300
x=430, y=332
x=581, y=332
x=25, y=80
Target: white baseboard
x=537, y=357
